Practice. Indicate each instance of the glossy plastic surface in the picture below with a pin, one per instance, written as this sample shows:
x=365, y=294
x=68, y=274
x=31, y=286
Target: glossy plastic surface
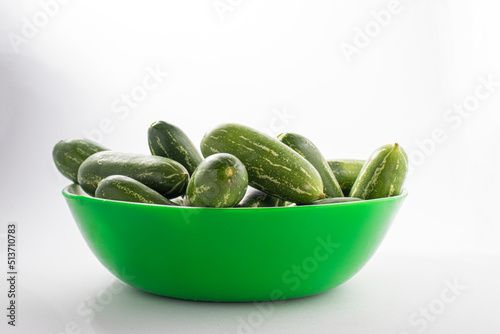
x=232, y=254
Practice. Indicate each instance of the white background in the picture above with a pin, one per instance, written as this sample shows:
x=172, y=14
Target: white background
x=278, y=66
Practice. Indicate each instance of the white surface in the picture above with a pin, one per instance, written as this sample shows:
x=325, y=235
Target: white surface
x=264, y=61
x=390, y=295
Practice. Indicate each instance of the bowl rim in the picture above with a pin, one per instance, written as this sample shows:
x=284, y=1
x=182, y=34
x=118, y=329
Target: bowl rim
x=70, y=192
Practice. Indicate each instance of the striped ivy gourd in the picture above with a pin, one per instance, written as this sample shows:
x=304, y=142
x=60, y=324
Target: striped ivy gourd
x=220, y=180
x=272, y=166
x=383, y=174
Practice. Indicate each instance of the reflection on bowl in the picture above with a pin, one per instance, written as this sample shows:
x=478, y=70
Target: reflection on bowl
x=232, y=254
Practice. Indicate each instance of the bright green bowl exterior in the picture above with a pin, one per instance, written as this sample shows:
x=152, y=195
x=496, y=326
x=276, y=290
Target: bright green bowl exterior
x=232, y=254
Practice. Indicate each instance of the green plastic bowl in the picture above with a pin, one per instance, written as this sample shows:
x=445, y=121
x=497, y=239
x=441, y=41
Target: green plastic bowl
x=232, y=254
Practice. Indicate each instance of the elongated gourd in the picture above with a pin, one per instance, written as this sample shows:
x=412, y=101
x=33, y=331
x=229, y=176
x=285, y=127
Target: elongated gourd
x=383, y=174
x=69, y=154
x=169, y=141
x=311, y=153
x=346, y=171
x=272, y=166
x=164, y=175
x=126, y=189
x=220, y=181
